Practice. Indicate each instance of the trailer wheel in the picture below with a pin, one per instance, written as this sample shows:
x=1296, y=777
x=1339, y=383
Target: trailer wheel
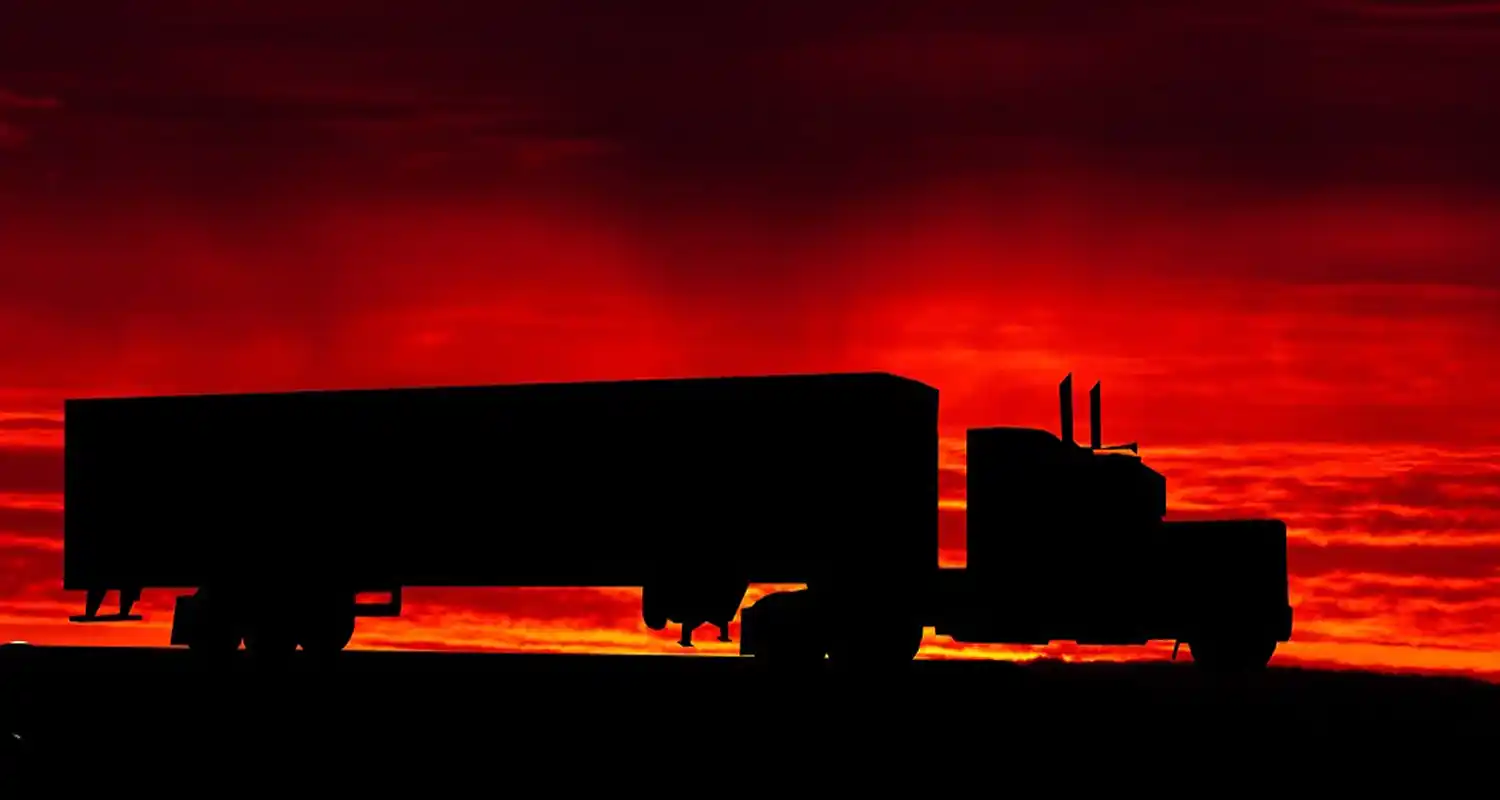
x=213, y=627
x=270, y=638
x=790, y=654
x=870, y=630
x=784, y=630
x=328, y=634
x=214, y=636
x=1220, y=655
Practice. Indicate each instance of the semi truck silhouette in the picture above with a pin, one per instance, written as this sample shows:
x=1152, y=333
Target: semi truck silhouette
x=277, y=510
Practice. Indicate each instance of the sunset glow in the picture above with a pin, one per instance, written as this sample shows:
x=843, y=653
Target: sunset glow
x=1285, y=271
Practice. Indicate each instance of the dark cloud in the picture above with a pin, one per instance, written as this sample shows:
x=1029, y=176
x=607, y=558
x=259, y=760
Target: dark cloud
x=952, y=484
x=1435, y=487
x=31, y=470
x=272, y=194
x=13, y=105
x=1471, y=593
x=15, y=101
x=31, y=424
x=787, y=98
x=1442, y=500
x=29, y=573
x=953, y=533
x=30, y=522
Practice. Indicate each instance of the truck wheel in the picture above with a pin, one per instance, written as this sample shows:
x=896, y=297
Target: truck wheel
x=786, y=629
x=214, y=637
x=212, y=620
x=1221, y=655
x=270, y=639
x=790, y=654
x=876, y=644
x=328, y=635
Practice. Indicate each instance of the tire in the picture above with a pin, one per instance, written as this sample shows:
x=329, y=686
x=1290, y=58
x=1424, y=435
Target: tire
x=1229, y=655
x=329, y=635
x=270, y=640
x=214, y=633
x=877, y=644
x=215, y=639
x=871, y=631
x=788, y=629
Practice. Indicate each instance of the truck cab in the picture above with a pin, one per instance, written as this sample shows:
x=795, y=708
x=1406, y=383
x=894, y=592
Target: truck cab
x=1068, y=542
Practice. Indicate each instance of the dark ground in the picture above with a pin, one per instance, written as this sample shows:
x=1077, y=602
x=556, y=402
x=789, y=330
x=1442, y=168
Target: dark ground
x=661, y=719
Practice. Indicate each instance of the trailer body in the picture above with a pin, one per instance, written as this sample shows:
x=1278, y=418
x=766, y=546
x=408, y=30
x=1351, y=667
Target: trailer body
x=583, y=484
x=701, y=484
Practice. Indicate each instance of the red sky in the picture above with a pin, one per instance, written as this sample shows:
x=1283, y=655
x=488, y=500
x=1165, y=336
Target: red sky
x=1270, y=229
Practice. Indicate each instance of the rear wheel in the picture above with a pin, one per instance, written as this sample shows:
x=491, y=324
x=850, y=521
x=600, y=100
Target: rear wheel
x=213, y=622
x=1221, y=655
x=276, y=623
x=870, y=629
x=215, y=637
x=271, y=638
x=878, y=643
x=327, y=635
x=785, y=630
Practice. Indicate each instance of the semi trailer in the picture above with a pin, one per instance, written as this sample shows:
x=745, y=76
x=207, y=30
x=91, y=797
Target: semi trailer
x=276, y=512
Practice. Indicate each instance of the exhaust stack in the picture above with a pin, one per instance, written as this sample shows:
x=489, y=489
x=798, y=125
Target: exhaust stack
x=1065, y=402
x=1096, y=439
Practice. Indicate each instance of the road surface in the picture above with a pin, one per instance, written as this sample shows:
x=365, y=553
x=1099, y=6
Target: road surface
x=573, y=715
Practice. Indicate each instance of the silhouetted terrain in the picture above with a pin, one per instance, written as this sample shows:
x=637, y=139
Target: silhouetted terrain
x=538, y=714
